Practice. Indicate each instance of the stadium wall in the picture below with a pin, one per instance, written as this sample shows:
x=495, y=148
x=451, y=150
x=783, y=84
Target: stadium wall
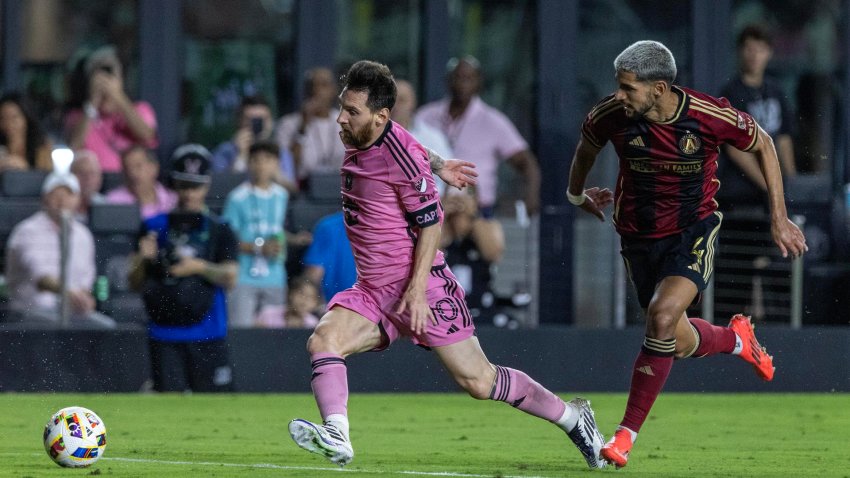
x=814, y=359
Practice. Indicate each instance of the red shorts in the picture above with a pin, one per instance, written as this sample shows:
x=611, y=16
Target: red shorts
x=445, y=297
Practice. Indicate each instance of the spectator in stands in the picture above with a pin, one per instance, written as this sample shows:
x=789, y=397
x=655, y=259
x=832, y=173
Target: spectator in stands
x=141, y=170
x=86, y=168
x=109, y=122
x=256, y=211
x=185, y=261
x=430, y=137
x=329, y=260
x=312, y=133
x=302, y=302
x=254, y=123
x=471, y=245
x=23, y=145
x=482, y=135
x=33, y=261
x=753, y=91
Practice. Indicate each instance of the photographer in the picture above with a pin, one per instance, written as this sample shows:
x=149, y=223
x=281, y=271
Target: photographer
x=109, y=122
x=254, y=124
x=184, y=262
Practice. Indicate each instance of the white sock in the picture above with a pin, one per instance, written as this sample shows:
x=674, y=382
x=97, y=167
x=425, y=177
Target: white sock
x=569, y=419
x=340, y=421
x=631, y=432
x=739, y=345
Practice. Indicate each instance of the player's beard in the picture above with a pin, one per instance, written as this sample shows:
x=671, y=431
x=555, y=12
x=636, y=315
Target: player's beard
x=357, y=138
x=633, y=112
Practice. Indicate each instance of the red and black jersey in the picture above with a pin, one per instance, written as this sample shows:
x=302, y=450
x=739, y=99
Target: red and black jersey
x=667, y=178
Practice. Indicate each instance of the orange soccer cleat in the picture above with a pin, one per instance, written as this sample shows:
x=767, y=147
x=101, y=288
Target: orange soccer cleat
x=752, y=352
x=616, y=451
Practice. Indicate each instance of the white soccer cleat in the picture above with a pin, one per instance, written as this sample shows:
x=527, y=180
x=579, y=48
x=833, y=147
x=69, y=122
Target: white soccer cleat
x=586, y=435
x=326, y=440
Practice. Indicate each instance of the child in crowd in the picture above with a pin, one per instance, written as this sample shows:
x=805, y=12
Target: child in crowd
x=256, y=211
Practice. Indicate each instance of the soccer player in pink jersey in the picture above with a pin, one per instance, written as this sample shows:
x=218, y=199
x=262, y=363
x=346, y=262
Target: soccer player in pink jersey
x=667, y=138
x=393, y=218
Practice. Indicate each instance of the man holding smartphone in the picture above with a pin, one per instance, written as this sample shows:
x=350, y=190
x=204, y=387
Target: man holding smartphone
x=254, y=123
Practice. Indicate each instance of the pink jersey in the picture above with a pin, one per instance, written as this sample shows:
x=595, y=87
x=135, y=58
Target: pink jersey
x=388, y=194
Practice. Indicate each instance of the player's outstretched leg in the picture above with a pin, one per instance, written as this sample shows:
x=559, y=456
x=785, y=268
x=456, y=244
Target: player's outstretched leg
x=751, y=351
x=575, y=417
x=736, y=339
x=468, y=365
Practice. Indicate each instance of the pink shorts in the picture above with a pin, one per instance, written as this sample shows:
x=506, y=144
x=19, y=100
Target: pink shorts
x=445, y=297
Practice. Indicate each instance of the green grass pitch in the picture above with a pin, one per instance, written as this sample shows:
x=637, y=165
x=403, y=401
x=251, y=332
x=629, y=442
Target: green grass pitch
x=449, y=435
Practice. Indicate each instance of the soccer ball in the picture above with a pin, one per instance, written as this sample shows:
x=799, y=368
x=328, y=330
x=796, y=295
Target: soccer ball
x=75, y=437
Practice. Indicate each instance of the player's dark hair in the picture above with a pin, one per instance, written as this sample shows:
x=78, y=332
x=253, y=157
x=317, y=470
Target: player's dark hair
x=755, y=32
x=253, y=100
x=374, y=79
x=269, y=147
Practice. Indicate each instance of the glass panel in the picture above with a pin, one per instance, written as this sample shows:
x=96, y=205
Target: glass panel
x=56, y=34
x=234, y=49
x=501, y=35
x=387, y=31
x=808, y=58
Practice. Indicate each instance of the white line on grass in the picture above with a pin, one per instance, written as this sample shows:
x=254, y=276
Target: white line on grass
x=312, y=468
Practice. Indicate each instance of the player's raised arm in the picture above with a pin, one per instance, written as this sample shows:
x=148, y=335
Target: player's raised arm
x=592, y=200
x=787, y=236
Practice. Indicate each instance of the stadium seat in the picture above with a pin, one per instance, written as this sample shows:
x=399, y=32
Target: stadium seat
x=111, y=181
x=114, y=219
x=222, y=184
x=22, y=183
x=304, y=214
x=324, y=187
x=13, y=211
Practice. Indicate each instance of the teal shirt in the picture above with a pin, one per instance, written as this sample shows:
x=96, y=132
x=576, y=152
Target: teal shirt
x=253, y=213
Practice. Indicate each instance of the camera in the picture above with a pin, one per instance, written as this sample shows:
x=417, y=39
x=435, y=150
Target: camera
x=257, y=126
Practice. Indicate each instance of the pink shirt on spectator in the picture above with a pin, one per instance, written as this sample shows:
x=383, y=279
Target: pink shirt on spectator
x=482, y=135
x=33, y=252
x=388, y=194
x=109, y=135
x=165, y=200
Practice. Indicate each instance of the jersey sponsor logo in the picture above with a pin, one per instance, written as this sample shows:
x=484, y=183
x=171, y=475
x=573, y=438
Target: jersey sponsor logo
x=689, y=143
x=681, y=168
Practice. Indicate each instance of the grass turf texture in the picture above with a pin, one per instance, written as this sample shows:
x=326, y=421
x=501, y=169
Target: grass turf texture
x=692, y=435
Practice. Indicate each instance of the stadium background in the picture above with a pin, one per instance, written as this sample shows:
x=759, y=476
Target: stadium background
x=545, y=63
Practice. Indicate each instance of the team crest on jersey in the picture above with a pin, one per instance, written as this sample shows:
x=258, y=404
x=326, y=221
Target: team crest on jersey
x=689, y=143
x=420, y=185
x=349, y=181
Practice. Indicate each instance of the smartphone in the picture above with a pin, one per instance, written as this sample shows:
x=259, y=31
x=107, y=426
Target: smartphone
x=256, y=126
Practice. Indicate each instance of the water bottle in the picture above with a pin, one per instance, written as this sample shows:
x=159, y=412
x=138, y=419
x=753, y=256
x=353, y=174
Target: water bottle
x=101, y=289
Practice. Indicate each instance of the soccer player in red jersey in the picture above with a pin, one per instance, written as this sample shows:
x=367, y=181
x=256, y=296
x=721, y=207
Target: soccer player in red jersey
x=393, y=218
x=667, y=139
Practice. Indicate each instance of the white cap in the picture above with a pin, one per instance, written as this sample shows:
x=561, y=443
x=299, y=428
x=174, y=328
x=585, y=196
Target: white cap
x=55, y=180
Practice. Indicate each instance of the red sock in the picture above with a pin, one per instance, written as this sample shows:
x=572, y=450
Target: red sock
x=712, y=339
x=651, y=369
